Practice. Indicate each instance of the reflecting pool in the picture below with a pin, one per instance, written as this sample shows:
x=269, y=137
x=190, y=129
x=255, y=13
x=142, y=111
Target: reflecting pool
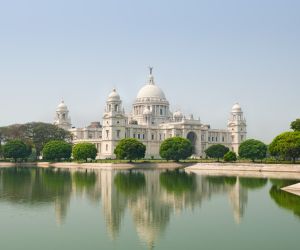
x=144, y=209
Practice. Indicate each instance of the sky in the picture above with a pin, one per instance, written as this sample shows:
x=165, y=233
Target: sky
x=206, y=55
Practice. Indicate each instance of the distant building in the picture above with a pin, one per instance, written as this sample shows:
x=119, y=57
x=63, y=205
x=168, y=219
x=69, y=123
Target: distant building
x=151, y=122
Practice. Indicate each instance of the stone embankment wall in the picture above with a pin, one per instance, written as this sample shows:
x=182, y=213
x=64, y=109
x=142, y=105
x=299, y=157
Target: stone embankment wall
x=73, y=165
x=247, y=169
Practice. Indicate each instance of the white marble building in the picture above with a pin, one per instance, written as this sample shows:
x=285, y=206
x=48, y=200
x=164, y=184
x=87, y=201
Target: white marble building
x=151, y=121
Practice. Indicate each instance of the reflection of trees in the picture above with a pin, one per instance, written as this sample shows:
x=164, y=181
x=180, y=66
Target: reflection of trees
x=58, y=186
x=253, y=183
x=85, y=184
x=129, y=183
x=283, y=183
x=34, y=186
x=221, y=180
x=57, y=182
x=177, y=182
x=84, y=180
x=286, y=200
x=16, y=184
x=150, y=196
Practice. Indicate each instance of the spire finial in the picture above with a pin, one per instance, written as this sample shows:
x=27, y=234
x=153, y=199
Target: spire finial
x=151, y=70
x=151, y=78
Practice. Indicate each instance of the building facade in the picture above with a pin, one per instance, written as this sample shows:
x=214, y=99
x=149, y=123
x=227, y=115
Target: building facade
x=151, y=122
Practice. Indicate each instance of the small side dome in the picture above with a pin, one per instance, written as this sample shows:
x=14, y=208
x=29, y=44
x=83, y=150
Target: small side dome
x=147, y=111
x=114, y=96
x=62, y=106
x=177, y=115
x=236, y=108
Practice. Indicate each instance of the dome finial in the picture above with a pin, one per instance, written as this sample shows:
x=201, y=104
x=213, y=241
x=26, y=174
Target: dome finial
x=151, y=78
x=151, y=70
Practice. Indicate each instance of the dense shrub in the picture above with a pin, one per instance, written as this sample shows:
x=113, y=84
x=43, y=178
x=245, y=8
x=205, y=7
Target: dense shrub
x=57, y=150
x=253, y=149
x=176, y=148
x=84, y=151
x=130, y=149
x=286, y=145
x=16, y=149
x=230, y=156
x=216, y=151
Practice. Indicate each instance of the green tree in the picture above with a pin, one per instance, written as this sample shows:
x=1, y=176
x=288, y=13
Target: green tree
x=84, y=151
x=216, y=151
x=41, y=133
x=176, y=148
x=16, y=149
x=57, y=150
x=230, y=156
x=286, y=145
x=295, y=125
x=36, y=134
x=253, y=149
x=130, y=149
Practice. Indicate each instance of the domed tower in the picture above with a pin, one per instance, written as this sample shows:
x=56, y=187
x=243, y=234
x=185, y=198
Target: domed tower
x=177, y=116
x=151, y=97
x=62, y=118
x=114, y=122
x=237, y=127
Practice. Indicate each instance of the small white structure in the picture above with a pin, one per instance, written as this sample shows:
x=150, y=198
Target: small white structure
x=62, y=118
x=151, y=122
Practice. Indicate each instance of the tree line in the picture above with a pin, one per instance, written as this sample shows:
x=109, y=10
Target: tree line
x=54, y=144
x=34, y=135
x=285, y=146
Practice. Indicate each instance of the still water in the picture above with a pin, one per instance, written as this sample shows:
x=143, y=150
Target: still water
x=62, y=210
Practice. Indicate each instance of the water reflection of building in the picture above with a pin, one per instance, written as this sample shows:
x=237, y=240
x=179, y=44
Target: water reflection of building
x=151, y=197
x=238, y=197
x=61, y=209
x=113, y=203
x=153, y=204
x=150, y=214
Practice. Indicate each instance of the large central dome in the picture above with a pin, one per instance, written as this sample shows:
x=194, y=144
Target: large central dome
x=150, y=90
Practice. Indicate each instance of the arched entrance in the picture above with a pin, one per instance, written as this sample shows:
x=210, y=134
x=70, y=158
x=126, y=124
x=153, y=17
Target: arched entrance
x=193, y=138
